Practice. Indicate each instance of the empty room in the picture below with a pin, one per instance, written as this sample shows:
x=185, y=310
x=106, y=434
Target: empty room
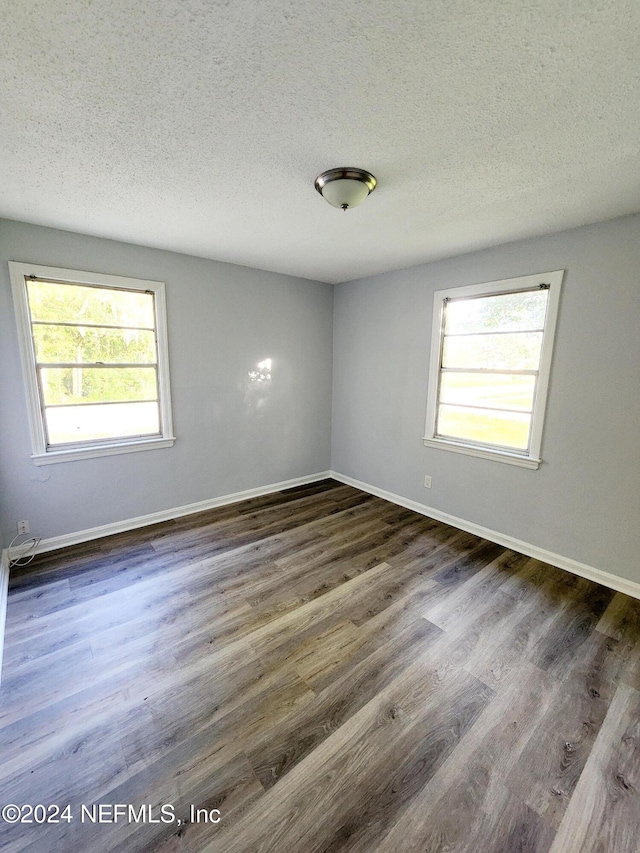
x=319, y=427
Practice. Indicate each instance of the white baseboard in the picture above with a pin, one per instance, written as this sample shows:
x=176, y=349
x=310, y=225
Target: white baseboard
x=582, y=569
x=90, y=533
x=4, y=595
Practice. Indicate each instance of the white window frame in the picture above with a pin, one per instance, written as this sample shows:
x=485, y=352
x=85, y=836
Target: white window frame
x=529, y=458
x=42, y=454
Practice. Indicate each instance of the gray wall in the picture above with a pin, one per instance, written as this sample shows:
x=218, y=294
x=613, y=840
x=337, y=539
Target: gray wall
x=232, y=434
x=584, y=501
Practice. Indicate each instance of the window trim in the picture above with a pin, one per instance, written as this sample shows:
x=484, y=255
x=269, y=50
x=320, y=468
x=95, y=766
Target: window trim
x=526, y=459
x=42, y=455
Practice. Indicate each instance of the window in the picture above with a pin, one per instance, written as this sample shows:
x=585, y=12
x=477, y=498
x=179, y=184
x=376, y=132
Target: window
x=490, y=360
x=95, y=361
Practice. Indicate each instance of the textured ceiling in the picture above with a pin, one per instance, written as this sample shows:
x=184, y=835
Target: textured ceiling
x=200, y=125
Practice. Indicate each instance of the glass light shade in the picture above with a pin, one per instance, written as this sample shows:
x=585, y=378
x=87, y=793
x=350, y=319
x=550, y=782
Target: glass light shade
x=345, y=192
x=346, y=186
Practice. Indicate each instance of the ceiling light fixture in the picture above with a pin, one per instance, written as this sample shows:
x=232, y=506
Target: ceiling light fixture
x=345, y=187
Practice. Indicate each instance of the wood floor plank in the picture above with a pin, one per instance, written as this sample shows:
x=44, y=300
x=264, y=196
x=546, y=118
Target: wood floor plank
x=279, y=749
x=604, y=813
x=559, y=645
x=621, y=620
x=451, y=609
x=561, y=743
x=461, y=806
x=74, y=772
x=27, y=741
x=381, y=752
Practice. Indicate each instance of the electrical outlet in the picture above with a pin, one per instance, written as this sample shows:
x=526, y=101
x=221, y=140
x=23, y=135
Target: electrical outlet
x=427, y=481
x=23, y=527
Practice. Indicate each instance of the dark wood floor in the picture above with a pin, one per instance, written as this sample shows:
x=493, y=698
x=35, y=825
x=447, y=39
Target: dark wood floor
x=330, y=672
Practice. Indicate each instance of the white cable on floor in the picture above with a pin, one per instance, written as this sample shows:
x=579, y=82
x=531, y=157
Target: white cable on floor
x=24, y=558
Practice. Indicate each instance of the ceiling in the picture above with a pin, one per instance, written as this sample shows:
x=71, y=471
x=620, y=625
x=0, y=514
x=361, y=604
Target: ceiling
x=199, y=126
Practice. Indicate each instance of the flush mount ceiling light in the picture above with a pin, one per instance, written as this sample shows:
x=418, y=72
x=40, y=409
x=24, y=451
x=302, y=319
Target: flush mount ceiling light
x=345, y=187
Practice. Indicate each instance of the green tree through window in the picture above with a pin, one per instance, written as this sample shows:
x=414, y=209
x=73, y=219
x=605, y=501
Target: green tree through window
x=95, y=358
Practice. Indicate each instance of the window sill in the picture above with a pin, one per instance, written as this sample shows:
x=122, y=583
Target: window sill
x=100, y=450
x=496, y=455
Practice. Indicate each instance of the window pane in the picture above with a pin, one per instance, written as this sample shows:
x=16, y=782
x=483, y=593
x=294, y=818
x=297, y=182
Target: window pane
x=506, y=429
x=77, y=303
x=96, y=384
x=118, y=420
x=516, y=351
x=83, y=344
x=506, y=312
x=497, y=390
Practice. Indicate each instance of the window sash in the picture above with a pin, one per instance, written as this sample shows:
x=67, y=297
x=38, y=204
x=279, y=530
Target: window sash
x=43, y=450
x=88, y=325
x=493, y=332
x=97, y=365
x=472, y=442
x=106, y=441
x=531, y=454
x=482, y=370
x=124, y=436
